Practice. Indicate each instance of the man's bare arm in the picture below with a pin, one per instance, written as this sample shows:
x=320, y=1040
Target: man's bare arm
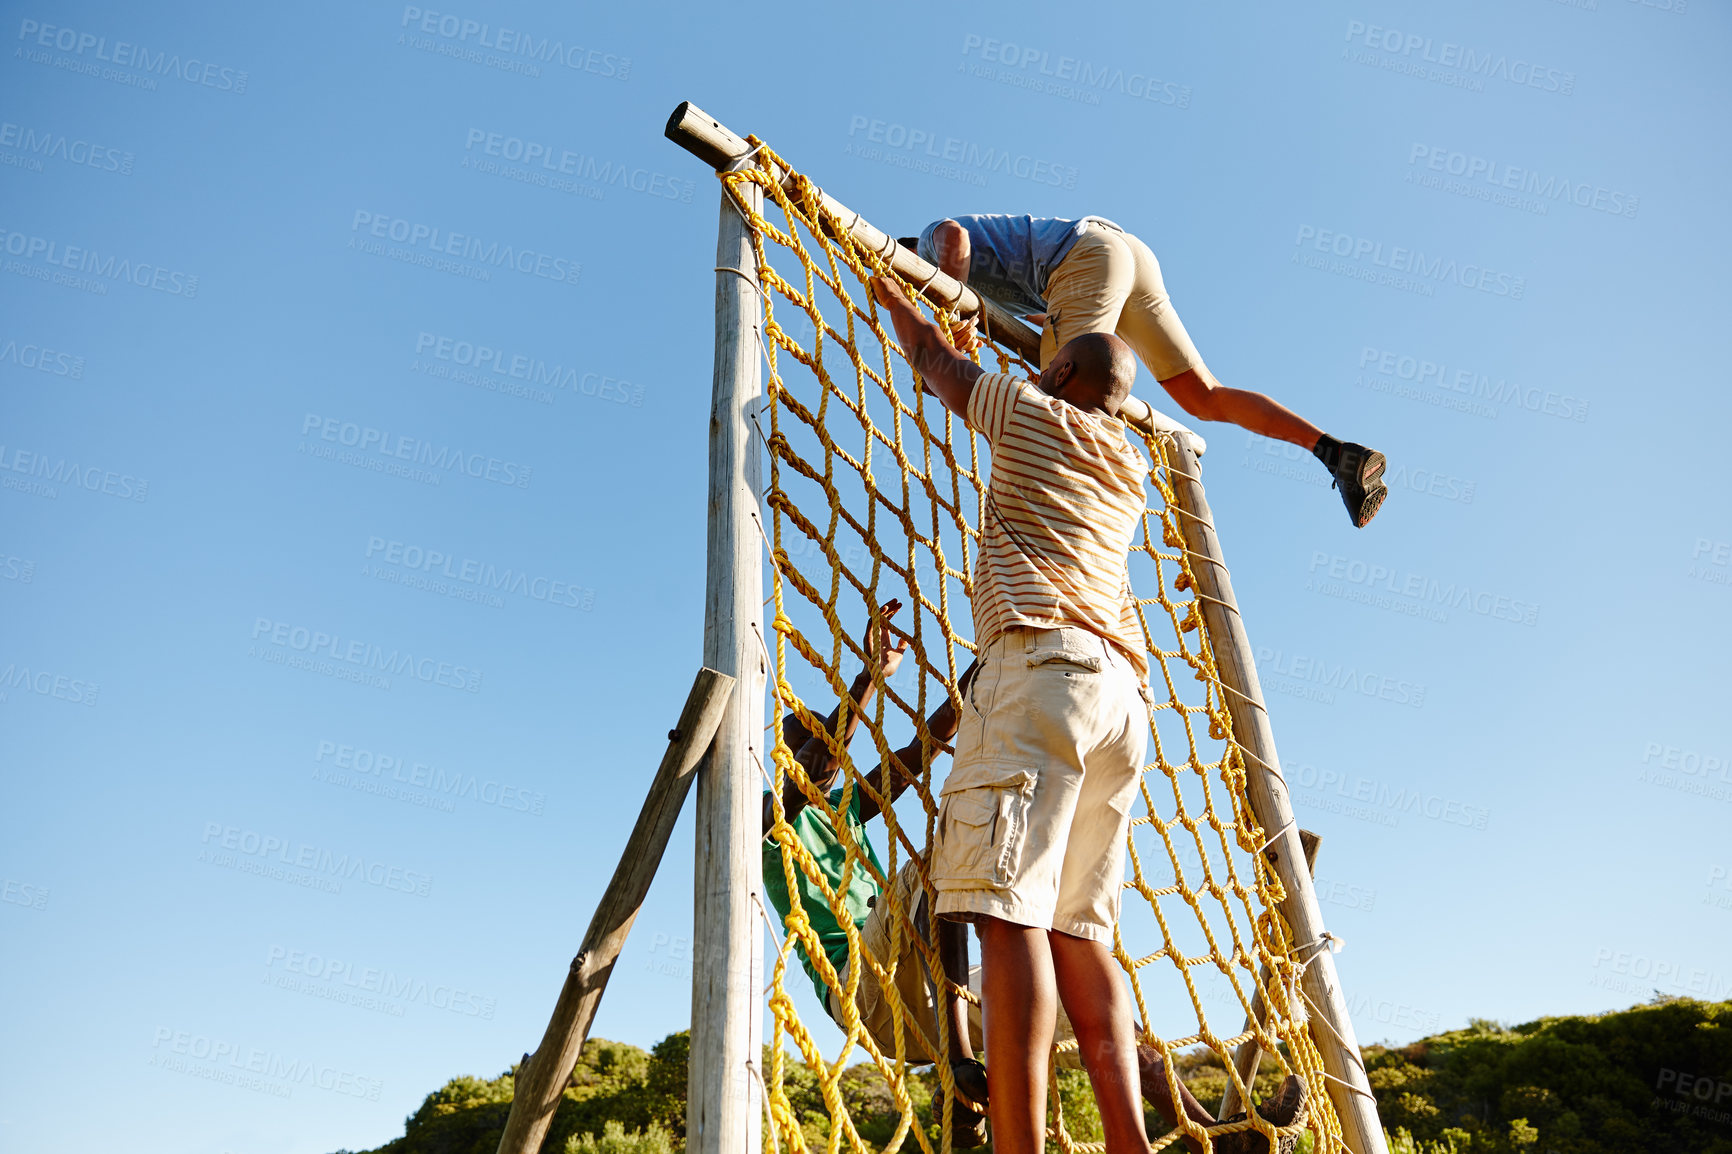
x=949, y=375
x=883, y=653
x=911, y=758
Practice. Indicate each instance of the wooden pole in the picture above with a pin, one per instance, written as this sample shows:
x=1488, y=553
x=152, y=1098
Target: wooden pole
x=1249, y=1055
x=1331, y=1028
x=709, y=140
x=724, y=1107
x=541, y=1077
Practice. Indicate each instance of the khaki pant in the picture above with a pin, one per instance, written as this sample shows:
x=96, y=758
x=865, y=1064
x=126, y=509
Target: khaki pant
x=920, y=1029
x=1110, y=282
x=920, y=1015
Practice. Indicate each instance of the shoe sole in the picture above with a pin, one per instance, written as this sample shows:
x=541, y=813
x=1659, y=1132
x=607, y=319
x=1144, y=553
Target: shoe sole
x=1371, y=468
x=1370, y=505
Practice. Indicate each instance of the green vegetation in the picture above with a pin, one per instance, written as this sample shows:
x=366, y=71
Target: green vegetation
x=1655, y=1078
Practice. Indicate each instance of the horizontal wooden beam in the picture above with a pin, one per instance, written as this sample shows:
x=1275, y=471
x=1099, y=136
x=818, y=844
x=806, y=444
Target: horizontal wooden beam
x=720, y=147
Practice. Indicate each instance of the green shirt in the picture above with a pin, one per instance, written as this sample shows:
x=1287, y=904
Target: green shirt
x=812, y=826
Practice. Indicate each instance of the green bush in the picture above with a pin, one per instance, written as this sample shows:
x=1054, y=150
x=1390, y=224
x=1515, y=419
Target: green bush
x=614, y=1140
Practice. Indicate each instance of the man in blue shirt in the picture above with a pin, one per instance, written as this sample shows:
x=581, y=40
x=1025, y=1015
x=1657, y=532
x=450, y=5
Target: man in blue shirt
x=1090, y=275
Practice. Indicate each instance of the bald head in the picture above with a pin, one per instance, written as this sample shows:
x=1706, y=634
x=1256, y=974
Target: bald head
x=1092, y=371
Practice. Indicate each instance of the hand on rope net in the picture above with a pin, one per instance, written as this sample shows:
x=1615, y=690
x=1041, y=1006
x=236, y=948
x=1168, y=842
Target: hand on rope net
x=874, y=499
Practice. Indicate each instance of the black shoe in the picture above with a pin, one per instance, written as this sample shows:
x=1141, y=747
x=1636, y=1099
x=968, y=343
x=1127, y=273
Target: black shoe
x=967, y=1128
x=968, y=1114
x=970, y=1079
x=1286, y=1108
x=1359, y=475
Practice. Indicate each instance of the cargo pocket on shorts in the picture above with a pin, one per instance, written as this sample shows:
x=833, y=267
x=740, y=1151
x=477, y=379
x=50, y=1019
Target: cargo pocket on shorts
x=983, y=828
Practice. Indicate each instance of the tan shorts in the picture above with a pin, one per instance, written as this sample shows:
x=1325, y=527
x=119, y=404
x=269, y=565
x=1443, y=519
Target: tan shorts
x=1037, y=805
x=920, y=1029
x=1110, y=282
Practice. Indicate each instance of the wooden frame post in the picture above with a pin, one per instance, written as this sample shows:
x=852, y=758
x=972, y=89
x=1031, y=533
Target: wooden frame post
x=541, y=1077
x=1249, y=1055
x=724, y=1107
x=1331, y=1028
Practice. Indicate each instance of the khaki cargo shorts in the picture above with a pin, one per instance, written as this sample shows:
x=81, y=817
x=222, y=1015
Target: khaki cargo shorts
x=1110, y=282
x=1037, y=806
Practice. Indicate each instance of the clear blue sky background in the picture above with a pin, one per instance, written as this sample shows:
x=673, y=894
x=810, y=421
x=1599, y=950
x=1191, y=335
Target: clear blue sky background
x=1595, y=876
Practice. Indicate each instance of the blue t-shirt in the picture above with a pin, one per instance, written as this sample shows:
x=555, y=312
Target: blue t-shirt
x=1011, y=256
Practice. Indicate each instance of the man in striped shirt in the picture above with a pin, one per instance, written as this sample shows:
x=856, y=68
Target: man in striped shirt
x=1031, y=834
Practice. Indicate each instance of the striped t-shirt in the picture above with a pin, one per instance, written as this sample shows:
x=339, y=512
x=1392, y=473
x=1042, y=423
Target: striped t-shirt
x=1063, y=503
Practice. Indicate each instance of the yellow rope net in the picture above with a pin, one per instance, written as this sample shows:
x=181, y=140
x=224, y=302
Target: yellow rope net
x=874, y=493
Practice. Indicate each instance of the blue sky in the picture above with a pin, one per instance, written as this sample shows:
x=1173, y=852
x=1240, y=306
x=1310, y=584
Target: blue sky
x=180, y=502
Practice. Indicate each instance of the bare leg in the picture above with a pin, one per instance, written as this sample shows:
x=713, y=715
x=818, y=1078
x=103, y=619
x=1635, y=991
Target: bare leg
x=1092, y=988
x=1202, y=396
x=1019, y=1000
x=953, y=952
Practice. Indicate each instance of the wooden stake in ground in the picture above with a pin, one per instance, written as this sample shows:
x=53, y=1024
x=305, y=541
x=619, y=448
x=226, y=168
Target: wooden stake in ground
x=1249, y=1055
x=542, y=1076
x=1348, y=1085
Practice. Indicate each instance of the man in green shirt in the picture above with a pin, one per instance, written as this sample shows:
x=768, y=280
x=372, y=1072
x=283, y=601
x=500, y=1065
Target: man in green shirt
x=860, y=895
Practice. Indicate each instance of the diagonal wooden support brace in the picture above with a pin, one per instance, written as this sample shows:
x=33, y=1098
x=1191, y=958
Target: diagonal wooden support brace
x=541, y=1077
